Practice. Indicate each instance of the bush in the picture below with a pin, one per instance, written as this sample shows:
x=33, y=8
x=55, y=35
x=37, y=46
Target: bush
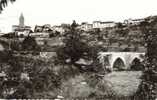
x=30, y=44
x=75, y=88
x=148, y=87
x=15, y=45
x=41, y=77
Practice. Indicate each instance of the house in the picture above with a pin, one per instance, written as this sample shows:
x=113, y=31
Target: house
x=133, y=21
x=38, y=28
x=44, y=28
x=86, y=26
x=101, y=25
x=59, y=29
x=40, y=34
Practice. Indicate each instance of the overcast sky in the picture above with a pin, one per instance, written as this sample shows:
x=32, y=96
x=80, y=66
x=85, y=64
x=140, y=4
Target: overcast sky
x=55, y=12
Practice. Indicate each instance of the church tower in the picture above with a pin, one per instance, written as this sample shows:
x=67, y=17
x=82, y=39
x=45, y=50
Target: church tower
x=21, y=20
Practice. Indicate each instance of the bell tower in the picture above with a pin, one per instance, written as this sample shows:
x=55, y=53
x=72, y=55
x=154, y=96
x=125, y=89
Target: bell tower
x=21, y=20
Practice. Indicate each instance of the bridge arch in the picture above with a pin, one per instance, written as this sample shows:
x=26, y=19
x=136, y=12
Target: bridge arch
x=119, y=64
x=135, y=57
x=136, y=64
x=126, y=59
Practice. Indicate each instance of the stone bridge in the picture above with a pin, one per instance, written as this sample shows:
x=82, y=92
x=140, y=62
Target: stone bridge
x=125, y=59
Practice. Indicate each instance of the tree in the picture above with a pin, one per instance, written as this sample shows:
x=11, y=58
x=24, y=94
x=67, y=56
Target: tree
x=30, y=44
x=148, y=87
x=28, y=76
x=15, y=45
x=74, y=47
x=119, y=25
x=4, y=3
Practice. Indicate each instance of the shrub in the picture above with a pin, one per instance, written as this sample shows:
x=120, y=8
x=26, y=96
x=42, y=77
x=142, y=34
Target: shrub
x=30, y=44
x=148, y=88
x=75, y=88
x=41, y=77
x=15, y=45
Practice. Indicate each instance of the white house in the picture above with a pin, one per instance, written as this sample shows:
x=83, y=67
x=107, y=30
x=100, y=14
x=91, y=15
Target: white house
x=133, y=21
x=40, y=34
x=86, y=26
x=101, y=25
x=58, y=29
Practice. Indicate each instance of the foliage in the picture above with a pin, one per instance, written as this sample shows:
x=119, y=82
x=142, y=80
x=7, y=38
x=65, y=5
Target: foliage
x=15, y=45
x=39, y=77
x=76, y=88
x=9, y=35
x=74, y=48
x=54, y=34
x=148, y=87
x=30, y=44
x=136, y=63
x=4, y=3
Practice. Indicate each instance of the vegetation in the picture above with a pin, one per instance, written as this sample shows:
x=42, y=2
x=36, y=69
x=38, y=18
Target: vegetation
x=30, y=44
x=31, y=76
x=74, y=48
x=148, y=87
x=36, y=77
x=4, y=3
x=28, y=76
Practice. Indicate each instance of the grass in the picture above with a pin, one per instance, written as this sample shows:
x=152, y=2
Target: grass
x=114, y=85
x=76, y=88
x=124, y=83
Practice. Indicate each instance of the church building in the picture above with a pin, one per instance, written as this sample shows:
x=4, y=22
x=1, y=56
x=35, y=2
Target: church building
x=21, y=29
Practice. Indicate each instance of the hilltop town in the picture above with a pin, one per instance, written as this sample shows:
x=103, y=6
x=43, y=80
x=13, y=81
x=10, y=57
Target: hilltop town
x=113, y=36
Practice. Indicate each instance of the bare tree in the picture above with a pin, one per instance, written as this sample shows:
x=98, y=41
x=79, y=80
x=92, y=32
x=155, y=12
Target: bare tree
x=4, y=3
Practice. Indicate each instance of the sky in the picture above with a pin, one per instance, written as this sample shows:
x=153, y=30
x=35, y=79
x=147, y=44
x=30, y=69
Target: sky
x=55, y=12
